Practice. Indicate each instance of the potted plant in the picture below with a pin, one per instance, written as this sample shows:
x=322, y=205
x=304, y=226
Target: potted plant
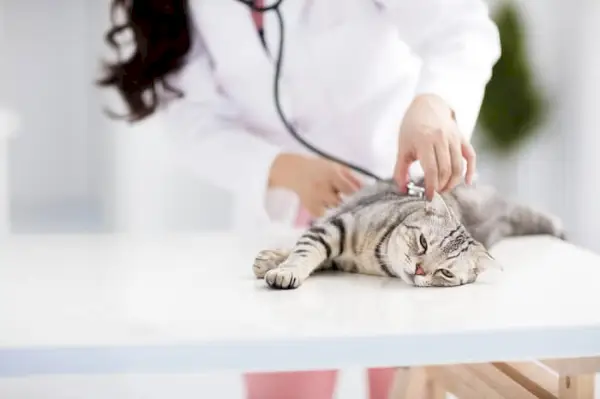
x=513, y=107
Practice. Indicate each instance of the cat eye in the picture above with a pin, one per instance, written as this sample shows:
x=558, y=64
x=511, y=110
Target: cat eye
x=446, y=273
x=423, y=242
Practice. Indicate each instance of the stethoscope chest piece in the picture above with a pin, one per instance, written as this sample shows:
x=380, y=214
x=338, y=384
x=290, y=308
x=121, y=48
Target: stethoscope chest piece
x=414, y=190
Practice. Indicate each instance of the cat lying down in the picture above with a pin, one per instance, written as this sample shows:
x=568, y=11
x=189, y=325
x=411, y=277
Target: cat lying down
x=379, y=231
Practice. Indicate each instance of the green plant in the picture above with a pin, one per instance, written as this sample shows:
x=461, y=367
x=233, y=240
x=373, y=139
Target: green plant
x=512, y=106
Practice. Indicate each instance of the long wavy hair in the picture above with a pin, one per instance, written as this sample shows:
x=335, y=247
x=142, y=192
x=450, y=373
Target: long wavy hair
x=162, y=39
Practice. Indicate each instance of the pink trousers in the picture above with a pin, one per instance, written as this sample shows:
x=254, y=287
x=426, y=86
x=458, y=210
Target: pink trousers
x=310, y=384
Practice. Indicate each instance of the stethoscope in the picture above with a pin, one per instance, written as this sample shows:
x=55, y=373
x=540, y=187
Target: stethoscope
x=412, y=188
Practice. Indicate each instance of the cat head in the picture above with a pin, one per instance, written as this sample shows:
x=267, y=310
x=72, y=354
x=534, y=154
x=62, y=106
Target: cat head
x=431, y=248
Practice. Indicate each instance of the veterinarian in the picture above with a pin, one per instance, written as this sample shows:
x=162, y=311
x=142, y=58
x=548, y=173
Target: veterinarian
x=379, y=83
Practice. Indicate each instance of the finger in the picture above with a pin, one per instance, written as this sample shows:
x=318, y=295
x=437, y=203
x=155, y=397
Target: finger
x=444, y=164
x=401, y=171
x=468, y=153
x=352, y=179
x=428, y=162
x=346, y=183
x=331, y=198
x=344, y=186
x=457, y=166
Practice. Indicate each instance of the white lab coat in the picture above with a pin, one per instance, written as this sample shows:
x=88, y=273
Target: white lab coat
x=350, y=69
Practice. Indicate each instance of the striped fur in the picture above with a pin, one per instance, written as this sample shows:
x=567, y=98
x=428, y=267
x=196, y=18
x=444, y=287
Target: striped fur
x=382, y=232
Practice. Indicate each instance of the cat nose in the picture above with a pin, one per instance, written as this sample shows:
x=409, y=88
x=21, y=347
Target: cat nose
x=419, y=270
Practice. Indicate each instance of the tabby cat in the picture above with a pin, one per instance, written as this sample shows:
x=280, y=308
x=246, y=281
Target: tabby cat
x=379, y=231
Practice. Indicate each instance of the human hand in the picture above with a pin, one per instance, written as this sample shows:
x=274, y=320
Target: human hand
x=318, y=182
x=429, y=134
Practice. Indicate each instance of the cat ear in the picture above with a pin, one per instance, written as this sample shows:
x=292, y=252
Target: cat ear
x=437, y=205
x=485, y=261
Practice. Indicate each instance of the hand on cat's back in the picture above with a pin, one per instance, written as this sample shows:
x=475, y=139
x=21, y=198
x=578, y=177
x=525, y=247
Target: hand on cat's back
x=429, y=134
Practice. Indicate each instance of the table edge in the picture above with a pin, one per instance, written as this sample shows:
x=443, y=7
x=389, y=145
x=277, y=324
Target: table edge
x=304, y=354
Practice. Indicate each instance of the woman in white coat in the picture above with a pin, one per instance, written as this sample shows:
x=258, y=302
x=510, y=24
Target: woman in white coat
x=379, y=83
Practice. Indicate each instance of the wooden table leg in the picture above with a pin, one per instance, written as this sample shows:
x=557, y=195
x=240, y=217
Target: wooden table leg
x=576, y=387
x=475, y=381
x=415, y=383
x=433, y=390
x=563, y=378
x=576, y=376
x=550, y=379
x=537, y=379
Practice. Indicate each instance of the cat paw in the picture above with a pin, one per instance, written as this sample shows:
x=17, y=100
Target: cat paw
x=284, y=278
x=268, y=260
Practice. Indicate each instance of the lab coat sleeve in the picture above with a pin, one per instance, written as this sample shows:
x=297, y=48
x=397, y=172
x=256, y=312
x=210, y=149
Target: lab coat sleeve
x=208, y=138
x=458, y=44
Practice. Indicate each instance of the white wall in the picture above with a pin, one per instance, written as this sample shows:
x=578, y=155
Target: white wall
x=555, y=171
x=72, y=169
x=56, y=162
x=585, y=127
x=44, y=69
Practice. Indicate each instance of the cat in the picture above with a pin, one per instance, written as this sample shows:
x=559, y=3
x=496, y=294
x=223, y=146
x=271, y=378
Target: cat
x=379, y=231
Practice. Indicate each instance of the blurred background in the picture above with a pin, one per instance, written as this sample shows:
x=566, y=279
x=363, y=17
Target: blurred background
x=70, y=169
x=64, y=167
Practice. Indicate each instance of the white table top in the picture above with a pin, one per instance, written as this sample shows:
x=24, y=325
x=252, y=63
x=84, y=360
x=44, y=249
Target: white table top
x=103, y=304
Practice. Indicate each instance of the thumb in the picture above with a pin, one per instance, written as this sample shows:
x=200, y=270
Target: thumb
x=468, y=153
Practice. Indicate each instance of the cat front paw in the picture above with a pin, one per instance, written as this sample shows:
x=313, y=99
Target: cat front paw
x=284, y=278
x=267, y=260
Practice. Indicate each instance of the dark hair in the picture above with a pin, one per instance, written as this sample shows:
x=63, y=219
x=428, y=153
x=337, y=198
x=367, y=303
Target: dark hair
x=162, y=39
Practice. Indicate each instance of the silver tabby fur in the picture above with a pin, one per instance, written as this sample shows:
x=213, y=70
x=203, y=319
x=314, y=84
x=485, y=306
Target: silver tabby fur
x=379, y=231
